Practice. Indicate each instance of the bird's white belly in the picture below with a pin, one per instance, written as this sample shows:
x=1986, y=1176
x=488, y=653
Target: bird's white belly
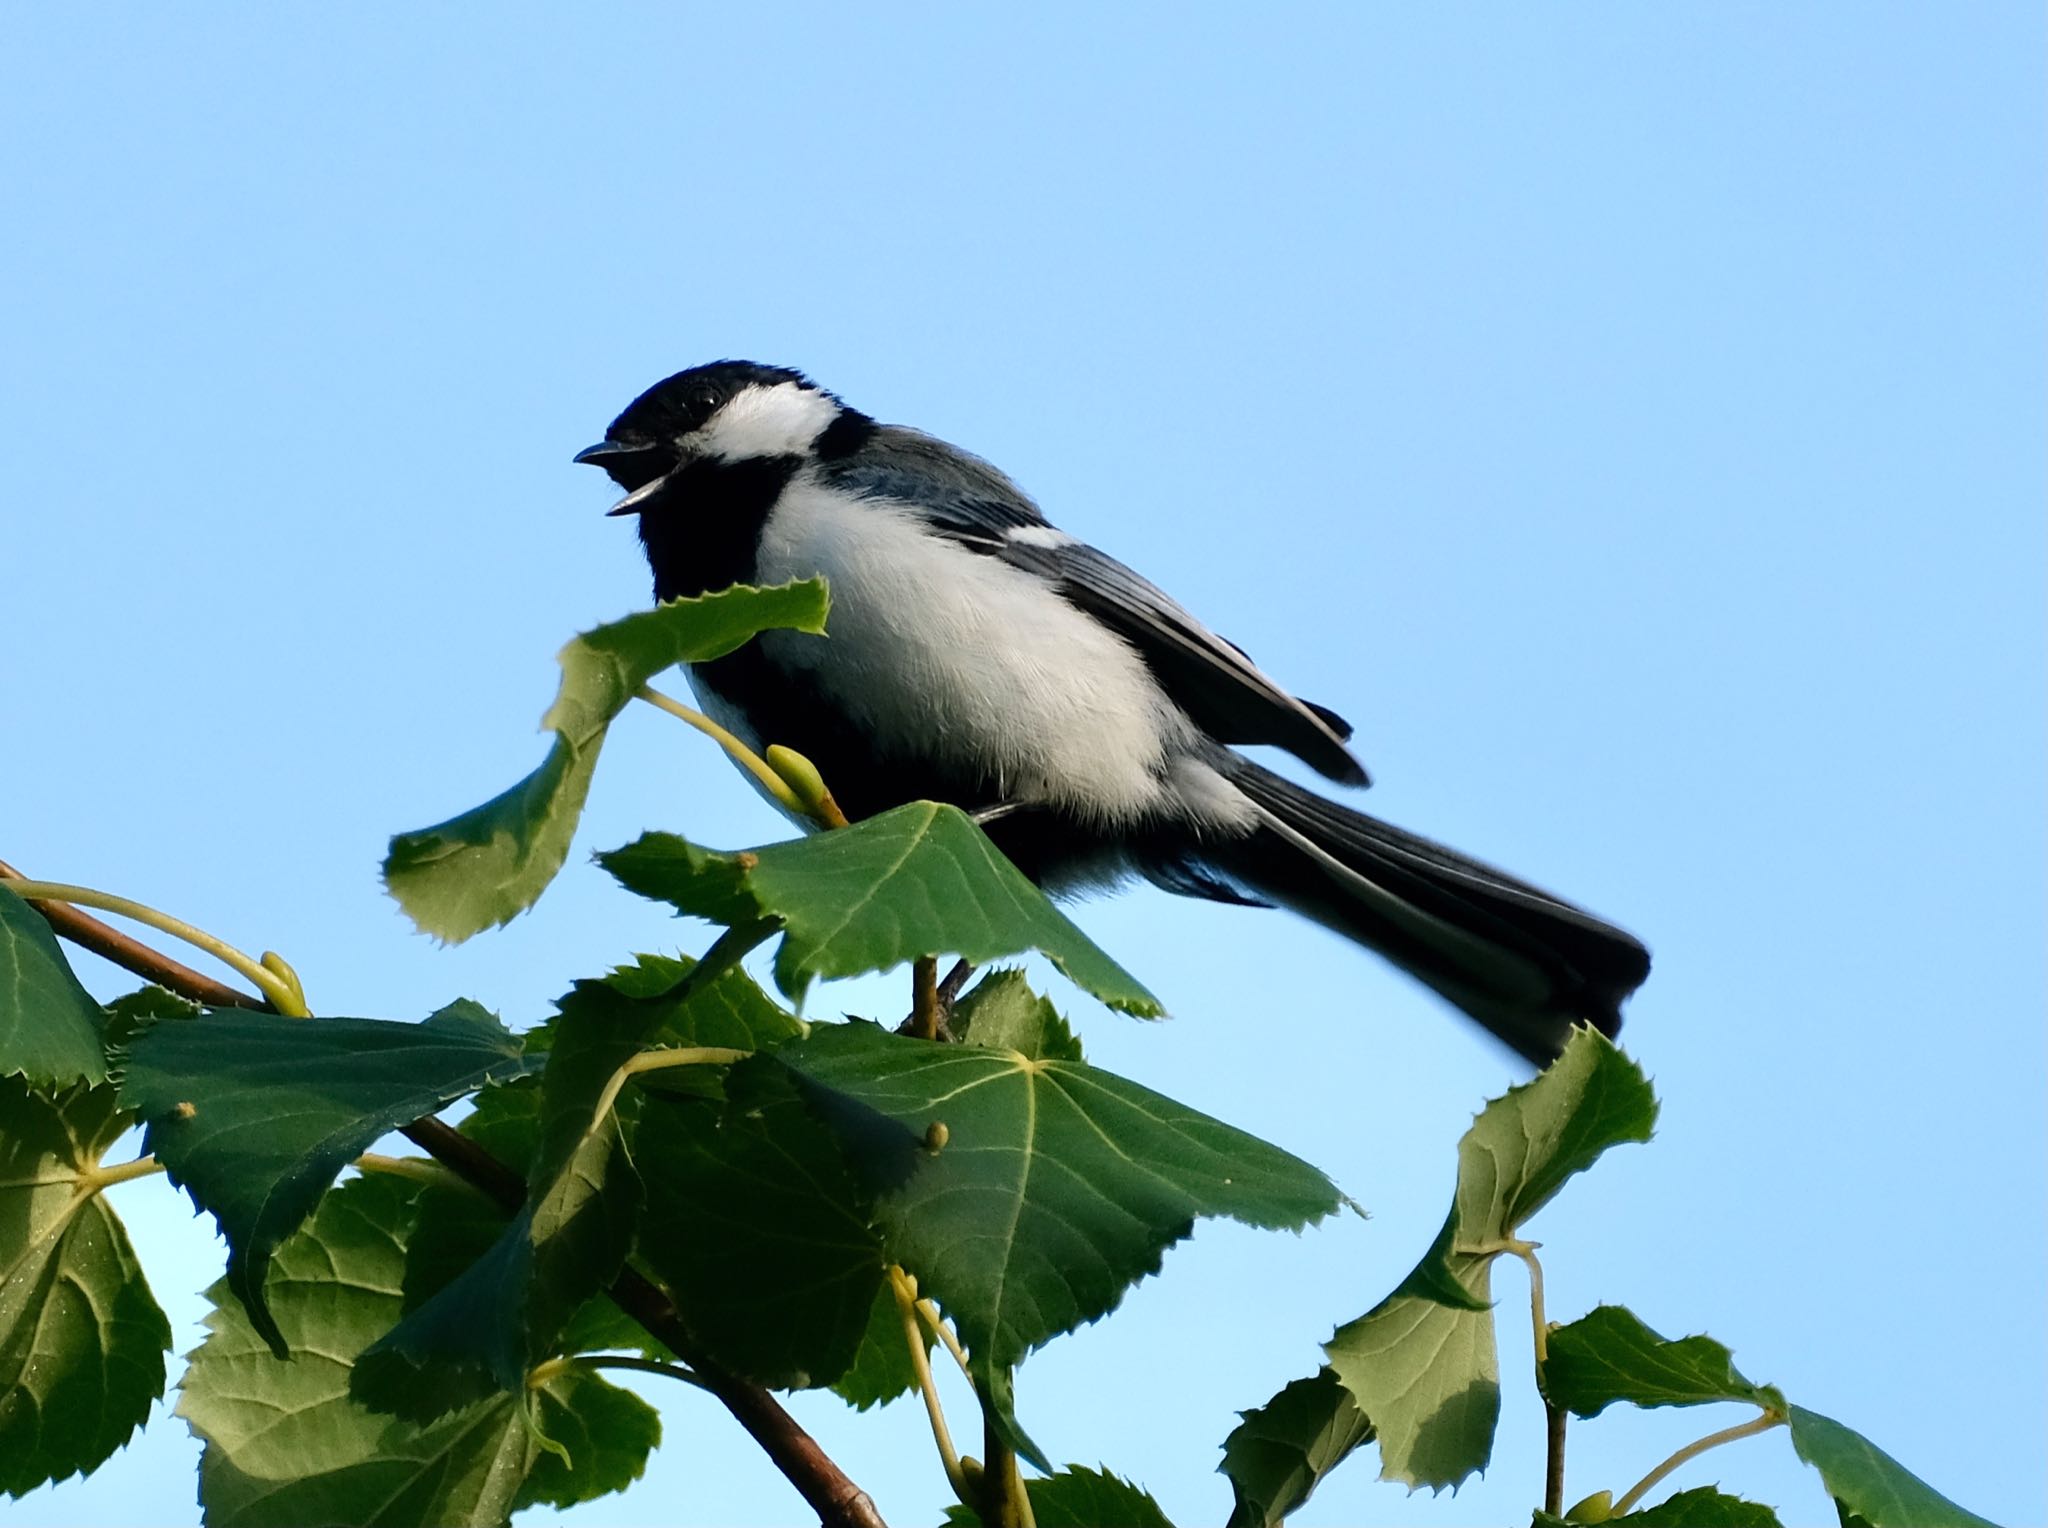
x=939, y=651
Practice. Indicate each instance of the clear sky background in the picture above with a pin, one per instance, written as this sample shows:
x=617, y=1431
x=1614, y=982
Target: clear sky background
x=1631, y=417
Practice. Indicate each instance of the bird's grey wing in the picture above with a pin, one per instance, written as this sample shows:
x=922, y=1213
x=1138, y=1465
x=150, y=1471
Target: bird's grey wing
x=1209, y=678
x=1213, y=680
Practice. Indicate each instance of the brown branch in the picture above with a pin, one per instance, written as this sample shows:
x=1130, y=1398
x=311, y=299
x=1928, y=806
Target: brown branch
x=838, y=1502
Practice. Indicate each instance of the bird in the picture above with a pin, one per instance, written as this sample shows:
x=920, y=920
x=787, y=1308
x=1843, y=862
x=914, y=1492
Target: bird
x=977, y=655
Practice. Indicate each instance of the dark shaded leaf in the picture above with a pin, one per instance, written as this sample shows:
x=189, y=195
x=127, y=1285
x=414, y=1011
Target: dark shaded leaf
x=81, y=1340
x=1058, y=1186
x=488, y=865
x=881, y=1369
x=919, y=880
x=49, y=1024
x=287, y=1445
x=606, y=1432
x=506, y=1312
x=1703, y=1507
x=1282, y=1450
x=255, y=1115
x=1078, y=1497
x=1608, y=1355
x=754, y=1224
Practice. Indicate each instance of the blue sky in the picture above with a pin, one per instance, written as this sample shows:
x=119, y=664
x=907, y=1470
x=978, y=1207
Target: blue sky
x=1629, y=416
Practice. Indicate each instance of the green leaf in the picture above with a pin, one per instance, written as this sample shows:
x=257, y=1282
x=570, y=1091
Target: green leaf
x=1078, y=1497
x=754, y=1224
x=286, y=1444
x=81, y=1341
x=919, y=880
x=1421, y=1363
x=485, y=867
x=1003, y=1013
x=1869, y=1483
x=133, y=1012
x=255, y=1115
x=458, y=1225
x=507, y=1311
x=1282, y=1450
x=606, y=1432
x=880, y=1371
x=49, y=1024
x=1058, y=1186
x=1608, y=1355
x=1703, y=1507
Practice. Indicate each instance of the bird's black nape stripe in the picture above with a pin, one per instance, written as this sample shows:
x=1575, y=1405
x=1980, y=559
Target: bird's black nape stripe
x=844, y=436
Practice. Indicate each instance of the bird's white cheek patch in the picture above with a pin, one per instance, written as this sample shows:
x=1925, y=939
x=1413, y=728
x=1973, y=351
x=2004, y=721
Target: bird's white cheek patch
x=783, y=420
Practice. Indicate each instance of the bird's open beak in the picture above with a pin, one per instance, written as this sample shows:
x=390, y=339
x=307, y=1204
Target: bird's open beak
x=607, y=451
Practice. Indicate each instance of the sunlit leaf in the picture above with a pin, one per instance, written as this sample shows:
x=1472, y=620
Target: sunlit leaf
x=1421, y=1364
x=81, y=1340
x=1867, y=1482
x=919, y=880
x=490, y=864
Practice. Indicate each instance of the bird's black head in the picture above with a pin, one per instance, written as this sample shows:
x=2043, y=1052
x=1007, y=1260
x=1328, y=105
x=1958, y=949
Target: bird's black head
x=704, y=455
x=726, y=414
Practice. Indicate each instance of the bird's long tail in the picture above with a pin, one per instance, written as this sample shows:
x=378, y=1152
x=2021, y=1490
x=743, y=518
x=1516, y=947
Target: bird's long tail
x=1517, y=959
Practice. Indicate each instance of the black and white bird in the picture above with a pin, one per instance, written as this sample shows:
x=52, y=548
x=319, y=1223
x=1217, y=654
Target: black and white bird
x=979, y=656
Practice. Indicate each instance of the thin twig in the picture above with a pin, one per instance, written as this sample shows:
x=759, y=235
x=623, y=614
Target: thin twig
x=949, y=993
x=924, y=1006
x=1555, y=1419
x=838, y=1502
x=1553, y=1459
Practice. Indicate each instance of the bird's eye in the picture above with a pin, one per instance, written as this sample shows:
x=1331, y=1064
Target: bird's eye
x=705, y=404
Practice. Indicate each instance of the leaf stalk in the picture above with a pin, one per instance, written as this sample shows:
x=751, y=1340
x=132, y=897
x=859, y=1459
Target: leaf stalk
x=282, y=991
x=106, y=1177
x=1692, y=1451
x=905, y=1293
x=661, y=1060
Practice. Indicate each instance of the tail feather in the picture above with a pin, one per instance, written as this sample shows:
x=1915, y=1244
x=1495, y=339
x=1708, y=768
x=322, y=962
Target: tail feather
x=1523, y=963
